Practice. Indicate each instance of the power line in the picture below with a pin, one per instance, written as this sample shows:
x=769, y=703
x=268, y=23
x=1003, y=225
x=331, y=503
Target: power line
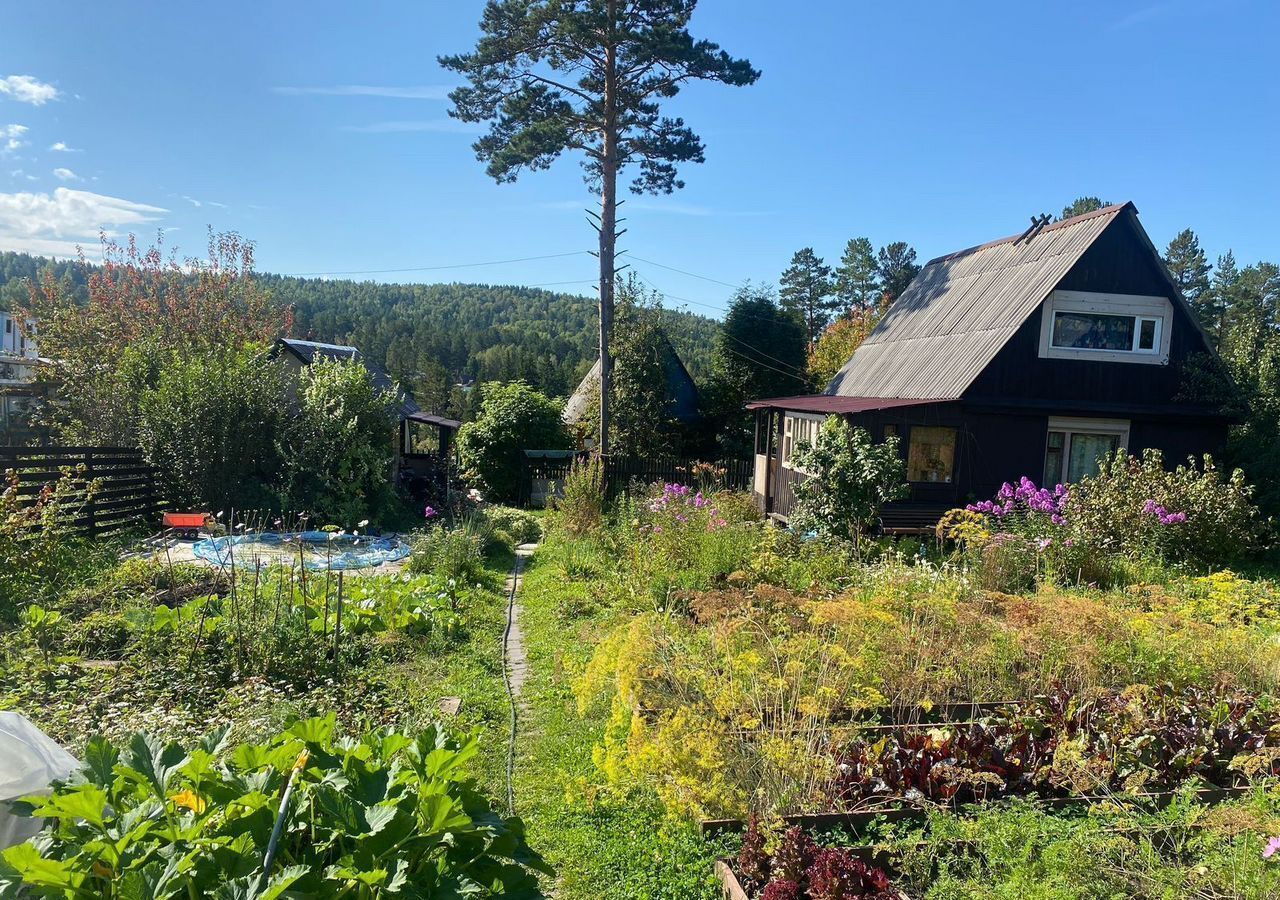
x=782, y=322
x=475, y=265
x=683, y=272
x=756, y=362
x=796, y=372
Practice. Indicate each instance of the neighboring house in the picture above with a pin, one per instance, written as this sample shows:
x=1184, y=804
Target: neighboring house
x=1032, y=355
x=426, y=442
x=19, y=392
x=582, y=407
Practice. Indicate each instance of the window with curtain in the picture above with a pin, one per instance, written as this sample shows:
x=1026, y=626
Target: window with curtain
x=1075, y=446
x=931, y=454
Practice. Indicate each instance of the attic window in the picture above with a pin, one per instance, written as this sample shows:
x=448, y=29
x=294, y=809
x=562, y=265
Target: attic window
x=1106, y=327
x=1099, y=331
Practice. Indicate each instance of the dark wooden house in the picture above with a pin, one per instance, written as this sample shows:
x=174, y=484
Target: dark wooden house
x=1032, y=355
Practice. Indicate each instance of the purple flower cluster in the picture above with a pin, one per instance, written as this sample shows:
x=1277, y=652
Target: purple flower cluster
x=680, y=500
x=1025, y=497
x=1152, y=508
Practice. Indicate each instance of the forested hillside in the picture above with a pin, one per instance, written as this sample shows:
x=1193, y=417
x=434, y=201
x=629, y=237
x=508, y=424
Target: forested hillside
x=433, y=335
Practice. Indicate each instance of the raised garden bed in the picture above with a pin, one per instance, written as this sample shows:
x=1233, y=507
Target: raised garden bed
x=858, y=821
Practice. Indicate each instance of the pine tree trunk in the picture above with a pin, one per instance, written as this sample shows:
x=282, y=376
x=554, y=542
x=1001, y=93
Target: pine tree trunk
x=608, y=234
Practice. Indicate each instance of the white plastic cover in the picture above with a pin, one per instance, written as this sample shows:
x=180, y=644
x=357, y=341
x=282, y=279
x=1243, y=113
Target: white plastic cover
x=29, y=761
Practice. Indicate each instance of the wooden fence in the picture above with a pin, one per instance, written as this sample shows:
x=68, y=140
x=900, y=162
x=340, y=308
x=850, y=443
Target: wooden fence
x=541, y=475
x=124, y=491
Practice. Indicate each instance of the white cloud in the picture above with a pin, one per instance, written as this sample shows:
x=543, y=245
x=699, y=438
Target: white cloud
x=409, y=92
x=61, y=147
x=55, y=224
x=11, y=135
x=199, y=203
x=64, y=174
x=20, y=173
x=26, y=89
x=450, y=125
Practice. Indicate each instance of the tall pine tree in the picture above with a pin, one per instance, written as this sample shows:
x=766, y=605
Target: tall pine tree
x=896, y=265
x=1190, y=270
x=807, y=289
x=857, y=279
x=591, y=76
x=1082, y=205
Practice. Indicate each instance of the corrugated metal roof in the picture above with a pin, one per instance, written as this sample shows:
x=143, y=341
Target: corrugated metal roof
x=429, y=419
x=826, y=403
x=961, y=309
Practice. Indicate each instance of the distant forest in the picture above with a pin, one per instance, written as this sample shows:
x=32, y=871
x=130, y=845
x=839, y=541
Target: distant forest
x=432, y=336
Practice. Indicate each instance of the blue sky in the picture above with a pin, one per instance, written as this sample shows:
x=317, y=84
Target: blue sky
x=320, y=131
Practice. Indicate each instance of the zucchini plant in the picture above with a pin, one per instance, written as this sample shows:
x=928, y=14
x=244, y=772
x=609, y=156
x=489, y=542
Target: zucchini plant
x=387, y=814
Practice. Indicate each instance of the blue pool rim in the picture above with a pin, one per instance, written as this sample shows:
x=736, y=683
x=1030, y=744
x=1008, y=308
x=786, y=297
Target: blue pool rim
x=350, y=551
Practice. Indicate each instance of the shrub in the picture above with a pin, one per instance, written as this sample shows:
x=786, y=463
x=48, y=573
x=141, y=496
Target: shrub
x=455, y=554
x=581, y=506
x=513, y=417
x=520, y=526
x=338, y=451
x=383, y=813
x=210, y=422
x=1133, y=512
x=852, y=478
x=38, y=551
x=1190, y=514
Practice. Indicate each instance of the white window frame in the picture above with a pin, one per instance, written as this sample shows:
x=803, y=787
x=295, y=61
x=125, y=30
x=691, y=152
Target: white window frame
x=798, y=427
x=1071, y=426
x=1135, y=306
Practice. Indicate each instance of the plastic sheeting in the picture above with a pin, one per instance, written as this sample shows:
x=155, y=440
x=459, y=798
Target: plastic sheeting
x=29, y=761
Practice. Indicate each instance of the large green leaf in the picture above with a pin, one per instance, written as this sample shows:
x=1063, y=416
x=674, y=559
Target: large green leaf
x=83, y=801
x=39, y=871
x=100, y=759
x=149, y=760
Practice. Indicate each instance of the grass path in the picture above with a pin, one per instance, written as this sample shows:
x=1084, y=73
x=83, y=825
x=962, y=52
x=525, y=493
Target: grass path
x=601, y=846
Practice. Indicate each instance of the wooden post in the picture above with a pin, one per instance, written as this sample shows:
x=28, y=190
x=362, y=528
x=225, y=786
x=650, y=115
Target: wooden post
x=337, y=625
x=90, y=504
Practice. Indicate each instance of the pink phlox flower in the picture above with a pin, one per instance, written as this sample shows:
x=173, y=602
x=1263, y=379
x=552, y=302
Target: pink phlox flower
x=430, y=512
x=1272, y=848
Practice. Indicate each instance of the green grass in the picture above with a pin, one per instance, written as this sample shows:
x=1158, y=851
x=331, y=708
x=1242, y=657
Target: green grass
x=469, y=668
x=600, y=846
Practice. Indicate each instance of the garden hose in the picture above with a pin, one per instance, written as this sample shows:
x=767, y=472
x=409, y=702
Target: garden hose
x=506, y=678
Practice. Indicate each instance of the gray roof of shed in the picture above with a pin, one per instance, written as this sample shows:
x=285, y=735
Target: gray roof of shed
x=680, y=385
x=309, y=351
x=961, y=309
